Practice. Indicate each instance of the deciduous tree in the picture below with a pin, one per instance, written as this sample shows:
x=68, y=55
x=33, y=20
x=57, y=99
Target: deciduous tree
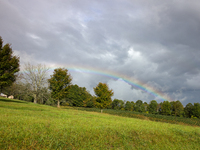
x=78, y=96
x=145, y=106
x=104, y=95
x=188, y=110
x=15, y=88
x=152, y=107
x=117, y=104
x=129, y=106
x=177, y=108
x=9, y=65
x=36, y=77
x=196, y=110
x=166, y=108
x=139, y=106
x=59, y=84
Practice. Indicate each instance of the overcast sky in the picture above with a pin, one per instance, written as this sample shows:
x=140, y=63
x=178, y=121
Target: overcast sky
x=154, y=42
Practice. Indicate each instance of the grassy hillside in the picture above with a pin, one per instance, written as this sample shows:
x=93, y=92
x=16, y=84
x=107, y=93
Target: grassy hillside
x=31, y=126
x=152, y=117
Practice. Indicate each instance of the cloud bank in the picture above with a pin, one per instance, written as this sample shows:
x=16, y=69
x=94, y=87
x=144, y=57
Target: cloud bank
x=155, y=42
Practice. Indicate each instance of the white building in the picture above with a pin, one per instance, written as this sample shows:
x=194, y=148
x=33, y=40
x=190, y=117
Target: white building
x=3, y=95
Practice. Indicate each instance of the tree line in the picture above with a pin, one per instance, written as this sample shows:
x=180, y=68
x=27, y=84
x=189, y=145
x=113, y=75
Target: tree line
x=33, y=85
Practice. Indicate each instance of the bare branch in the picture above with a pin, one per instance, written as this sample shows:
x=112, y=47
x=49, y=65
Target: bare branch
x=36, y=76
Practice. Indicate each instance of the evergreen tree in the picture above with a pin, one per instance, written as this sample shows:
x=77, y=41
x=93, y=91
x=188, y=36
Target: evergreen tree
x=9, y=65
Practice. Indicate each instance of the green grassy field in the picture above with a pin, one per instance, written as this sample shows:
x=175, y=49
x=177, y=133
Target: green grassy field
x=32, y=126
x=145, y=116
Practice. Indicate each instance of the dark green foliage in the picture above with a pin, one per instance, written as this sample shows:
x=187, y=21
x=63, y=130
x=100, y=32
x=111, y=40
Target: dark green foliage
x=133, y=105
x=90, y=103
x=139, y=106
x=196, y=110
x=117, y=104
x=16, y=89
x=77, y=96
x=159, y=108
x=1, y=42
x=19, y=91
x=146, y=106
x=103, y=94
x=166, y=108
x=114, y=104
x=129, y=106
x=152, y=107
x=59, y=82
x=177, y=108
x=188, y=110
x=50, y=101
x=9, y=65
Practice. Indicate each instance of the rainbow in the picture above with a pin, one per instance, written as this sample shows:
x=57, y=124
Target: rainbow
x=131, y=81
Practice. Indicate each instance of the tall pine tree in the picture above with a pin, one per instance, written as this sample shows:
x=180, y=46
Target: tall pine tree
x=9, y=65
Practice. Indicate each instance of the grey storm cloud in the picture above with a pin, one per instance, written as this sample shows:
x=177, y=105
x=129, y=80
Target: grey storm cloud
x=156, y=42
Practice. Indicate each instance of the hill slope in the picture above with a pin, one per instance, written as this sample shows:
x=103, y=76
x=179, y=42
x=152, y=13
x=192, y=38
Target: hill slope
x=31, y=126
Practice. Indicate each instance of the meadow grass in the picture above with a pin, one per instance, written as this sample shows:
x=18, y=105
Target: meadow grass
x=146, y=116
x=32, y=126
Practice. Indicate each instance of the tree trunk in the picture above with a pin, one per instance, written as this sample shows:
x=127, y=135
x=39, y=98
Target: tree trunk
x=35, y=98
x=101, y=110
x=42, y=99
x=58, y=104
x=0, y=89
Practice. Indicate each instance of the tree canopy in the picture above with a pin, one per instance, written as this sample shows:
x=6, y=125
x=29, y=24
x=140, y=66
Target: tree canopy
x=78, y=96
x=188, y=110
x=152, y=107
x=117, y=104
x=166, y=108
x=129, y=106
x=103, y=94
x=177, y=108
x=36, y=77
x=59, y=84
x=139, y=106
x=196, y=110
x=9, y=65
